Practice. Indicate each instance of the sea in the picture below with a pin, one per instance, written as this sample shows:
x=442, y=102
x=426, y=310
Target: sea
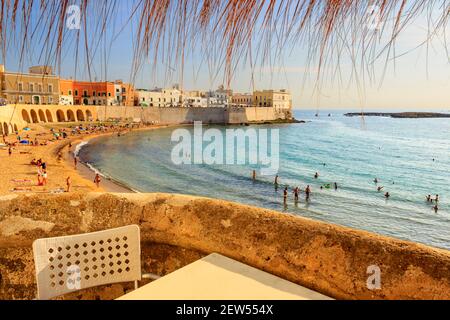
x=410, y=158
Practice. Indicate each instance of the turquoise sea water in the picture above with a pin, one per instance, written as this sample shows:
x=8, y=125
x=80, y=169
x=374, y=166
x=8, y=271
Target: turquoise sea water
x=399, y=152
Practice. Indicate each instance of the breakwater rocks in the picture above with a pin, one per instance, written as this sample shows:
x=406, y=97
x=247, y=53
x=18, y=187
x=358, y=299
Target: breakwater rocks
x=406, y=115
x=177, y=230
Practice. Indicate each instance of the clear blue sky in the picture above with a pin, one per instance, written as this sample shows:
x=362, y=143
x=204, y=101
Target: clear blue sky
x=419, y=79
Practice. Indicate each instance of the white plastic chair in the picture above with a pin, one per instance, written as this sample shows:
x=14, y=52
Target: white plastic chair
x=72, y=263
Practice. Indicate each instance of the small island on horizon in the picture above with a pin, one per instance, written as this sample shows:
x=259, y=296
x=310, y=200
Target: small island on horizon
x=405, y=115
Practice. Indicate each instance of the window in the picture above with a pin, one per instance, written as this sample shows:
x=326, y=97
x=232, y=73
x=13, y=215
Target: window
x=20, y=86
x=93, y=93
x=50, y=88
x=76, y=93
x=20, y=98
x=70, y=92
x=50, y=100
x=109, y=94
x=85, y=93
x=31, y=87
x=40, y=87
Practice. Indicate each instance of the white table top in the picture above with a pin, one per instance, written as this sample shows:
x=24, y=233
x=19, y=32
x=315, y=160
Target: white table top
x=216, y=277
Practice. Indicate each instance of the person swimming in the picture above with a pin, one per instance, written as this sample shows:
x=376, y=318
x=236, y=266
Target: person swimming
x=375, y=180
x=380, y=188
x=387, y=195
x=436, y=208
x=316, y=176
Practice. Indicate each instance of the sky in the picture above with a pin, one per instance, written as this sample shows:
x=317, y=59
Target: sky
x=418, y=78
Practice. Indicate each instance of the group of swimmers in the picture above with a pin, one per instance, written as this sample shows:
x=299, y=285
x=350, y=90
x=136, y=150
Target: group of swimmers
x=435, y=201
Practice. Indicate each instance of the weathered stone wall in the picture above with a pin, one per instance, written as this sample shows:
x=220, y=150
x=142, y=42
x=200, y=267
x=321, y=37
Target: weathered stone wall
x=177, y=230
x=189, y=115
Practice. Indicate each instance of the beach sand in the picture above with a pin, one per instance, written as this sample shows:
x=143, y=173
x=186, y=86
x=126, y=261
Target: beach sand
x=18, y=173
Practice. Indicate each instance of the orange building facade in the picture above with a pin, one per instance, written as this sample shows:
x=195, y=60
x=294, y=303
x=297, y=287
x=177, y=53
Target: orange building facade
x=96, y=93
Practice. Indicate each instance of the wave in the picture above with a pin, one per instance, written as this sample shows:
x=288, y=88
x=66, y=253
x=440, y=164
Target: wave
x=79, y=147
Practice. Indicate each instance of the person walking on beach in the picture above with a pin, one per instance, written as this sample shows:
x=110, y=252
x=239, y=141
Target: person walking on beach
x=44, y=177
x=10, y=151
x=97, y=180
x=308, y=192
x=75, y=162
x=68, y=183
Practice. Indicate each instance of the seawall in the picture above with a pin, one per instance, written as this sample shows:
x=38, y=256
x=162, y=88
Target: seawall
x=177, y=230
x=189, y=115
x=17, y=117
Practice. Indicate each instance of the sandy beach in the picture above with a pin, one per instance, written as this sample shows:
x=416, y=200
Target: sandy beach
x=20, y=177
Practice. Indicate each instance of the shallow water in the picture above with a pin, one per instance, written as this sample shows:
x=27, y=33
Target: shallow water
x=399, y=152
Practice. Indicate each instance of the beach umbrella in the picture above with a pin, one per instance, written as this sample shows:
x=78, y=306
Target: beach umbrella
x=27, y=129
x=24, y=142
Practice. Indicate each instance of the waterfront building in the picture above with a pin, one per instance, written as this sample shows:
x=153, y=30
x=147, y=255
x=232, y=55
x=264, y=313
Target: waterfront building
x=157, y=97
x=280, y=100
x=96, y=93
x=38, y=86
x=221, y=97
x=242, y=100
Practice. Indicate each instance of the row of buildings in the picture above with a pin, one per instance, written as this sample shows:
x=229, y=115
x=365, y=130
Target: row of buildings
x=41, y=86
x=174, y=97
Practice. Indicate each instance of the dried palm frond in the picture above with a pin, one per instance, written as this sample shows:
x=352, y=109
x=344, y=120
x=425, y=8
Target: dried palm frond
x=227, y=31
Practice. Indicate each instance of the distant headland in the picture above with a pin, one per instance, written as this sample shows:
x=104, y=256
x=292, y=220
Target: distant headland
x=406, y=115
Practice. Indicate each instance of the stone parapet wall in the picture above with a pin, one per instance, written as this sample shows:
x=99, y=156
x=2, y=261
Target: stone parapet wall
x=177, y=230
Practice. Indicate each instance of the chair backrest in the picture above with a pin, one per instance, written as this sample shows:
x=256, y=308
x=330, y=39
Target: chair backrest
x=68, y=264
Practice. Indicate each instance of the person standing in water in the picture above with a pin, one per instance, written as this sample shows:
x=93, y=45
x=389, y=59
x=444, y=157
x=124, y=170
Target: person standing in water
x=97, y=180
x=335, y=186
x=375, y=180
x=437, y=198
x=436, y=208
x=316, y=176
x=276, y=180
x=254, y=175
x=296, y=192
x=387, y=195
x=308, y=192
x=285, y=195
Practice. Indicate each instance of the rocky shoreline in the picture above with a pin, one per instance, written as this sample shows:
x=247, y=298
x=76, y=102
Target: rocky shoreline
x=404, y=115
